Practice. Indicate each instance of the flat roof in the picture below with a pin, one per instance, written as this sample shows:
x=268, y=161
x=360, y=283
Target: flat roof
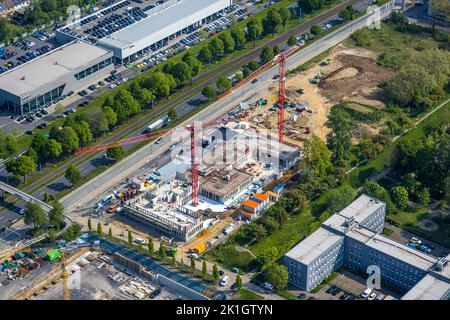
x=164, y=23
x=314, y=245
x=429, y=288
x=392, y=248
x=50, y=67
x=218, y=185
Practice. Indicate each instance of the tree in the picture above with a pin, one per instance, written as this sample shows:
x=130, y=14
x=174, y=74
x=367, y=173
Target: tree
x=269, y=223
x=174, y=258
x=256, y=230
x=272, y=21
x=216, y=274
x=373, y=189
x=99, y=124
x=172, y=114
x=277, y=275
x=228, y=41
x=181, y=72
x=317, y=157
x=192, y=264
x=238, y=35
x=205, y=55
x=278, y=213
x=254, y=30
x=32, y=154
x=292, y=41
x=238, y=282
x=223, y=83
x=316, y=30
x=125, y=105
x=130, y=238
x=285, y=15
x=400, y=197
x=217, y=47
x=193, y=63
x=99, y=229
x=267, y=256
x=52, y=149
x=84, y=132
x=162, y=251
x=21, y=166
x=339, y=139
x=151, y=247
x=266, y=55
x=10, y=146
x=348, y=13
x=89, y=225
x=52, y=234
x=410, y=183
x=110, y=116
x=59, y=108
x=47, y=197
x=423, y=195
x=35, y=215
x=204, y=269
x=209, y=92
x=339, y=198
x=116, y=153
x=56, y=214
x=73, y=175
x=68, y=139
x=160, y=83
x=276, y=50
x=110, y=235
x=253, y=65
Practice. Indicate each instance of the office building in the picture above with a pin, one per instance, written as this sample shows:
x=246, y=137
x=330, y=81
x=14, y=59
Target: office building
x=352, y=238
x=43, y=81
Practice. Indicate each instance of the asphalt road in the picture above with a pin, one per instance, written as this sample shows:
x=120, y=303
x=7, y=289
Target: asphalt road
x=124, y=168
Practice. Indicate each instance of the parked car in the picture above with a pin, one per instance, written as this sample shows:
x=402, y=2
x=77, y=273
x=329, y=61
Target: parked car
x=254, y=81
x=267, y=285
x=366, y=293
x=372, y=296
x=224, y=281
x=235, y=270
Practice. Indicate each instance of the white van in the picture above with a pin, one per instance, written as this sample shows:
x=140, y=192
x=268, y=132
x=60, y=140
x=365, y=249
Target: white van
x=224, y=281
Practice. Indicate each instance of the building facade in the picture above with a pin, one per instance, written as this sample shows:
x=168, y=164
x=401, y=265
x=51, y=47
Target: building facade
x=351, y=238
x=43, y=81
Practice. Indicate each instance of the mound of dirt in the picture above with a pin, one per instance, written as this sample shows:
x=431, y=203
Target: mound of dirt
x=354, y=74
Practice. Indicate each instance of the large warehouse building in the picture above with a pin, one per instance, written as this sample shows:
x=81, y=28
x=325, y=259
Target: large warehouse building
x=44, y=80
x=161, y=26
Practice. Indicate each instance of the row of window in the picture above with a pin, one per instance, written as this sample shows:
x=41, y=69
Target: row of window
x=93, y=69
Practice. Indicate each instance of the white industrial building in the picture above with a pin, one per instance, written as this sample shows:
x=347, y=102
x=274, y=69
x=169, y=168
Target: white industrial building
x=161, y=26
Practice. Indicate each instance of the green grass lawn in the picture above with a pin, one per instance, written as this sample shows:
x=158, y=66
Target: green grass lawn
x=245, y=294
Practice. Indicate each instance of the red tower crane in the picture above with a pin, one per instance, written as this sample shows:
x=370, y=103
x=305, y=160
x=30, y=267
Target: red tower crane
x=281, y=95
x=192, y=128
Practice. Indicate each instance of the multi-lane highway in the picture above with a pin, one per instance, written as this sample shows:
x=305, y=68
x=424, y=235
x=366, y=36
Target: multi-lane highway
x=127, y=166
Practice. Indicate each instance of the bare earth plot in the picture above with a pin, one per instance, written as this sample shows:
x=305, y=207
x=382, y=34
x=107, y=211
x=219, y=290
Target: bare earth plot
x=352, y=76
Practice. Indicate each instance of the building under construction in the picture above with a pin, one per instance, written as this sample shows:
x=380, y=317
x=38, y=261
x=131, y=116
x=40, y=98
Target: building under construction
x=234, y=164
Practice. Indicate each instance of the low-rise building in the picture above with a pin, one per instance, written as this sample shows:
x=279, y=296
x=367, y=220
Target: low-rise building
x=43, y=81
x=255, y=206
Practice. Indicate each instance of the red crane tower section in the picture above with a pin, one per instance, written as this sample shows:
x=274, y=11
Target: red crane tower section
x=281, y=95
x=194, y=163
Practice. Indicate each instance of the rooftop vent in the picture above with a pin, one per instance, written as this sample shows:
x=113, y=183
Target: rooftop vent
x=23, y=78
x=441, y=264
